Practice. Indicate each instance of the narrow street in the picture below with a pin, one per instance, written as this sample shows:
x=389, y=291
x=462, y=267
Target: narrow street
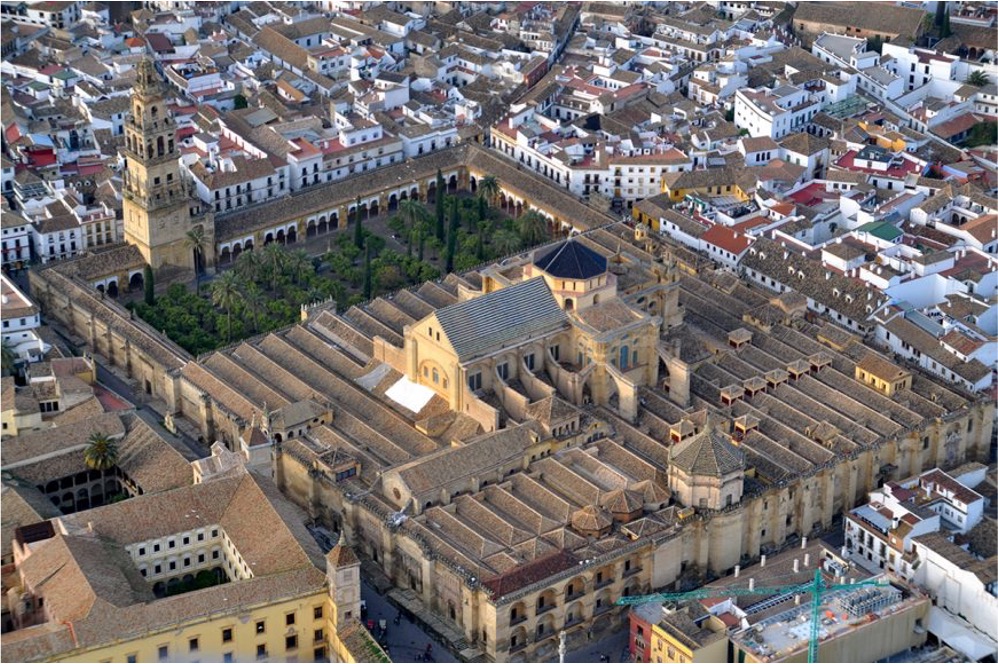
x=406, y=641
x=143, y=409
x=613, y=645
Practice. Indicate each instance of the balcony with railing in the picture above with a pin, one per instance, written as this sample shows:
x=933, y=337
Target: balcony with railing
x=544, y=609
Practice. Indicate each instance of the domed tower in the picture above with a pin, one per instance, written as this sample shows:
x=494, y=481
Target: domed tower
x=577, y=275
x=159, y=207
x=707, y=470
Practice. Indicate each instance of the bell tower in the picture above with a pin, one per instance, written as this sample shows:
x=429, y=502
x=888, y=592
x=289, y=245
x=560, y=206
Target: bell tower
x=160, y=205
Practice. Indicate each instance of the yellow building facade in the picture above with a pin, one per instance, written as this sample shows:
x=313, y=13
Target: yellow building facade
x=222, y=571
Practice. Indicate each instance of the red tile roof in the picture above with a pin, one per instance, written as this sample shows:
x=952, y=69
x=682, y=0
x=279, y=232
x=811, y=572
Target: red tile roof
x=529, y=573
x=847, y=161
x=726, y=239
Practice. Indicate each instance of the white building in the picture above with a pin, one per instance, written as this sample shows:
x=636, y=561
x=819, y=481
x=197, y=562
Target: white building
x=56, y=233
x=774, y=112
x=20, y=321
x=60, y=15
x=879, y=534
x=16, y=239
x=919, y=66
x=960, y=584
x=234, y=179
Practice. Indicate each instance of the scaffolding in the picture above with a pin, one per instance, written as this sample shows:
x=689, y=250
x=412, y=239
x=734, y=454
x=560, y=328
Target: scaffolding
x=870, y=600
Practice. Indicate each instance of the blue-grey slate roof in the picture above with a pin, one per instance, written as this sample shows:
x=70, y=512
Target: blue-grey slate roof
x=571, y=260
x=508, y=315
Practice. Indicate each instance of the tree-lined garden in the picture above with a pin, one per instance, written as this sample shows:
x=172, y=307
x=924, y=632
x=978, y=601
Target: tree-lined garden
x=265, y=288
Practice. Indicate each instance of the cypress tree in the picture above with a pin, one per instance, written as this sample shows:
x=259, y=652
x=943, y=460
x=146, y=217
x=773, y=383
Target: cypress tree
x=358, y=232
x=440, y=205
x=455, y=223
x=367, y=271
x=149, y=285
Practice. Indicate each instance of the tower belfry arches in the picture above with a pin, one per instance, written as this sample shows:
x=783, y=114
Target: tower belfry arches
x=159, y=205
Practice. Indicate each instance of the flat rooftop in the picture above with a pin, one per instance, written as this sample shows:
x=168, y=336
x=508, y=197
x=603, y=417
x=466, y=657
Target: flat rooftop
x=841, y=612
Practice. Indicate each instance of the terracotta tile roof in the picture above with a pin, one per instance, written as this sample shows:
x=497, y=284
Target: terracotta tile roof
x=707, y=453
x=726, y=239
x=530, y=573
x=887, y=19
x=591, y=518
x=28, y=447
x=474, y=458
x=985, y=570
x=608, y=315
x=804, y=143
x=23, y=505
x=882, y=368
x=280, y=46
x=961, y=342
x=623, y=501
x=941, y=480
x=838, y=293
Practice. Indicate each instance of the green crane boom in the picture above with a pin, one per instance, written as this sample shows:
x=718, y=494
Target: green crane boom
x=817, y=588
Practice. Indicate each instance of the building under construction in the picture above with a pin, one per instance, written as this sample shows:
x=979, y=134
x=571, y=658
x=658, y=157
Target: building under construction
x=857, y=624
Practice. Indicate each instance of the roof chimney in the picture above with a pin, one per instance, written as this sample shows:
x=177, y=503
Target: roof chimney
x=803, y=542
x=751, y=584
x=796, y=565
x=762, y=560
x=738, y=570
x=807, y=560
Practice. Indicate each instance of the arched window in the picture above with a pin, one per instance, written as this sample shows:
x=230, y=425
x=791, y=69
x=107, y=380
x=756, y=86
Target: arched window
x=624, y=357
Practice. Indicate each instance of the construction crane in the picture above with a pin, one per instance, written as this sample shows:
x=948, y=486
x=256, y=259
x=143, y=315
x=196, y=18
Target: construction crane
x=817, y=588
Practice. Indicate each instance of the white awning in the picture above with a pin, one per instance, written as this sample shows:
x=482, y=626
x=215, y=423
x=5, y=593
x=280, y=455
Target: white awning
x=960, y=635
x=409, y=395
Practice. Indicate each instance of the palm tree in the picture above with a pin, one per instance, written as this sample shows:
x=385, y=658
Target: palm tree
x=101, y=452
x=412, y=212
x=272, y=259
x=506, y=242
x=299, y=263
x=248, y=266
x=489, y=189
x=225, y=294
x=9, y=358
x=532, y=227
x=195, y=240
x=315, y=294
x=978, y=79
x=253, y=301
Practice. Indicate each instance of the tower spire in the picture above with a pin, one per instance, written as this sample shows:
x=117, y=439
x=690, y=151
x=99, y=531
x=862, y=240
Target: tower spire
x=159, y=205
x=148, y=81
